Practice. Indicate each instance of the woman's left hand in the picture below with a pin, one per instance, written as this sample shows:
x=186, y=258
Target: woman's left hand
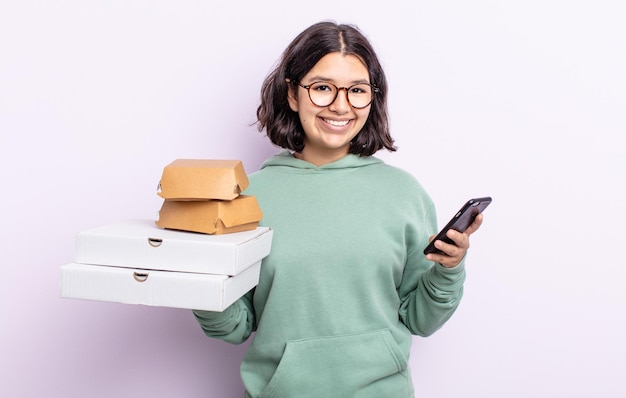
x=454, y=253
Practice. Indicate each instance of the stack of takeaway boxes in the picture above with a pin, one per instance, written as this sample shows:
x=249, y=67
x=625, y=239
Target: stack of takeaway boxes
x=204, y=252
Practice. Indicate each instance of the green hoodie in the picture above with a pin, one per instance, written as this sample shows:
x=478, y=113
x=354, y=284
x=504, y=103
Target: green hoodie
x=345, y=285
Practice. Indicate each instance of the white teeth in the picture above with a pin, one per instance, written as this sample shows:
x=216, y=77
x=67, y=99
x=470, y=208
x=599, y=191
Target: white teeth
x=338, y=123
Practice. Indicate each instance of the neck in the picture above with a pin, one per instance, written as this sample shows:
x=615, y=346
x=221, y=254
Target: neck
x=320, y=159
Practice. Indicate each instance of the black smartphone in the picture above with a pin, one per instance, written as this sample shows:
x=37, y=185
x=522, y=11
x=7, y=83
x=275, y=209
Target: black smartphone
x=460, y=222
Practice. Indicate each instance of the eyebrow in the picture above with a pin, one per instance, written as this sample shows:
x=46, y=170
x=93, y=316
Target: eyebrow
x=319, y=78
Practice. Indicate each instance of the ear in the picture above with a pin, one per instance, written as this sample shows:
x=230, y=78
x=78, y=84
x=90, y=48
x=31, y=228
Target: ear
x=292, y=95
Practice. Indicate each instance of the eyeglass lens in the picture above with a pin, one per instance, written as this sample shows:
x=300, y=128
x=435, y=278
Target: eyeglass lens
x=324, y=94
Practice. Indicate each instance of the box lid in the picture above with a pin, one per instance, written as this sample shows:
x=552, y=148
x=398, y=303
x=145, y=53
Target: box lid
x=141, y=244
x=193, y=179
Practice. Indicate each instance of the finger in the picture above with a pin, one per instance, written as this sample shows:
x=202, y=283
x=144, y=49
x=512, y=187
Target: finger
x=460, y=239
x=478, y=220
x=444, y=259
x=451, y=254
x=450, y=250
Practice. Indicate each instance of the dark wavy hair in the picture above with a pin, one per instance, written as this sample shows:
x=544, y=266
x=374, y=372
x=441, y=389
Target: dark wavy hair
x=282, y=124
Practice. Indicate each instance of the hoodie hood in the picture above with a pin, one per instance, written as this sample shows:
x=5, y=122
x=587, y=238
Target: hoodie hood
x=350, y=161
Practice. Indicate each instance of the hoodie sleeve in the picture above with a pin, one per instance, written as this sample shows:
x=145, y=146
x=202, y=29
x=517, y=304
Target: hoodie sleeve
x=429, y=292
x=435, y=298
x=234, y=325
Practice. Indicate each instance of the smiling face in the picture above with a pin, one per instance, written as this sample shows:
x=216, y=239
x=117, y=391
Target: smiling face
x=328, y=130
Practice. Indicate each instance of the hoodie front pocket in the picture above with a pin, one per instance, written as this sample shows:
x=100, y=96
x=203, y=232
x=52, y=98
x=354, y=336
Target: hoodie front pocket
x=339, y=366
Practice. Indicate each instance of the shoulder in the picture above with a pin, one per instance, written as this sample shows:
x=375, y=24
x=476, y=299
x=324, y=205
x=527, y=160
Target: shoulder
x=394, y=172
x=404, y=187
x=396, y=176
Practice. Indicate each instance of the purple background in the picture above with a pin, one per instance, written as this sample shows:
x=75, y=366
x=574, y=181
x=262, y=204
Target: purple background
x=522, y=101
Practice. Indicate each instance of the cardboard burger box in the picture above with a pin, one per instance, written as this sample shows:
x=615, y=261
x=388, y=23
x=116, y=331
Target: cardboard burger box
x=211, y=216
x=135, y=262
x=198, y=179
x=204, y=195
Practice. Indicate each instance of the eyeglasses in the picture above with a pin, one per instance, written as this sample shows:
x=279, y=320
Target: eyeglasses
x=323, y=93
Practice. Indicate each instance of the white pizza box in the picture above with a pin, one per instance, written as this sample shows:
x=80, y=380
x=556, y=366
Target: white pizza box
x=141, y=244
x=156, y=288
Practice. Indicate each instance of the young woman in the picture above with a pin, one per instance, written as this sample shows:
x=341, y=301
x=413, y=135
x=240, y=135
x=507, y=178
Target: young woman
x=347, y=283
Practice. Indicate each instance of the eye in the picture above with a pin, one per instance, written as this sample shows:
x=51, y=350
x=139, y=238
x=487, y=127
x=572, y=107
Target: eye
x=360, y=89
x=323, y=87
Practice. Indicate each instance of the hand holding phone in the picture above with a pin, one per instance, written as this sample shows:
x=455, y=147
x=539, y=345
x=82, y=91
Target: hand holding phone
x=460, y=222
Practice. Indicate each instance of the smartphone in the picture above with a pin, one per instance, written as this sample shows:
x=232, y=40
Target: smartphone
x=460, y=222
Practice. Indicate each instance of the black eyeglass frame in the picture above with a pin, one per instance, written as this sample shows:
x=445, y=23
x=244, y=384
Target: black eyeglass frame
x=375, y=90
